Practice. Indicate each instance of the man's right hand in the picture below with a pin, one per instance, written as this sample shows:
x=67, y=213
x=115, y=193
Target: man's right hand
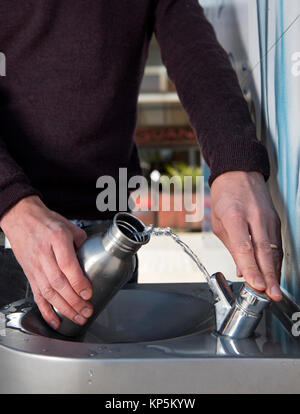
x=44, y=244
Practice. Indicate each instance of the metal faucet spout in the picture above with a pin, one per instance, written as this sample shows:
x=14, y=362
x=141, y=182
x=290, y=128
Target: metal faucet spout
x=237, y=317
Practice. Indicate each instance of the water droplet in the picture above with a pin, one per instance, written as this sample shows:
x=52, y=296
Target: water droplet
x=91, y=373
x=89, y=382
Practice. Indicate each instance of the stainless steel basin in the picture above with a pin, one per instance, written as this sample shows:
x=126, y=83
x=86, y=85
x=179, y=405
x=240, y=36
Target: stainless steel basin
x=156, y=338
x=137, y=316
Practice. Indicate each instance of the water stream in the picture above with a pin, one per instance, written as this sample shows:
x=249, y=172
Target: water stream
x=167, y=231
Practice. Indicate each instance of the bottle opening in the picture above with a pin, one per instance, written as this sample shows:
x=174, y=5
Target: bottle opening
x=131, y=227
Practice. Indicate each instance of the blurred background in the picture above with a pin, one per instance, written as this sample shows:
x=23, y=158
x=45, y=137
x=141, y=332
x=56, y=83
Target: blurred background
x=168, y=146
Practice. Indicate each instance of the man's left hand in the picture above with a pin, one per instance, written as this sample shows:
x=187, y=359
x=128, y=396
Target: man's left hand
x=244, y=218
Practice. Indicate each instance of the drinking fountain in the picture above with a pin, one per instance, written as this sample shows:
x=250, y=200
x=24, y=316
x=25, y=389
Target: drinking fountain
x=153, y=338
x=150, y=338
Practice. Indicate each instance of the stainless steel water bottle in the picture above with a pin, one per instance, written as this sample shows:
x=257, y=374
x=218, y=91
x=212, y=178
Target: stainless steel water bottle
x=108, y=262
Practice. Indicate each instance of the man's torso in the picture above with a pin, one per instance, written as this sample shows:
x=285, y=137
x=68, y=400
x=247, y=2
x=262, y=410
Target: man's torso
x=68, y=100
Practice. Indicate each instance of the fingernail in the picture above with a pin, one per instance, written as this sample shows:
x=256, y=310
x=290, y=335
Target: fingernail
x=259, y=283
x=79, y=319
x=275, y=291
x=53, y=324
x=86, y=312
x=86, y=294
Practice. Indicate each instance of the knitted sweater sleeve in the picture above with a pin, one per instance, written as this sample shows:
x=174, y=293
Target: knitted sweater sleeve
x=208, y=89
x=14, y=184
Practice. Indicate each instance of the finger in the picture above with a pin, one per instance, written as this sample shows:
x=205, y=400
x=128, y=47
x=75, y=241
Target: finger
x=46, y=309
x=54, y=298
x=274, y=231
x=60, y=283
x=66, y=258
x=265, y=259
x=242, y=250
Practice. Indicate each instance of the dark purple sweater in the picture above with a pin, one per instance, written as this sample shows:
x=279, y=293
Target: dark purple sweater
x=69, y=98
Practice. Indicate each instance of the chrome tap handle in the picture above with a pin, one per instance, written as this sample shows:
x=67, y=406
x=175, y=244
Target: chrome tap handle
x=246, y=313
x=237, y=317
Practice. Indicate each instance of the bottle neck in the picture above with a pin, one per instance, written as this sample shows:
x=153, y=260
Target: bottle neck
x=123, y=238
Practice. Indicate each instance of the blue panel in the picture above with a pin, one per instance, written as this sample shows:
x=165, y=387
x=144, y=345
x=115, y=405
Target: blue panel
x=273, y=77
x=279, y=34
